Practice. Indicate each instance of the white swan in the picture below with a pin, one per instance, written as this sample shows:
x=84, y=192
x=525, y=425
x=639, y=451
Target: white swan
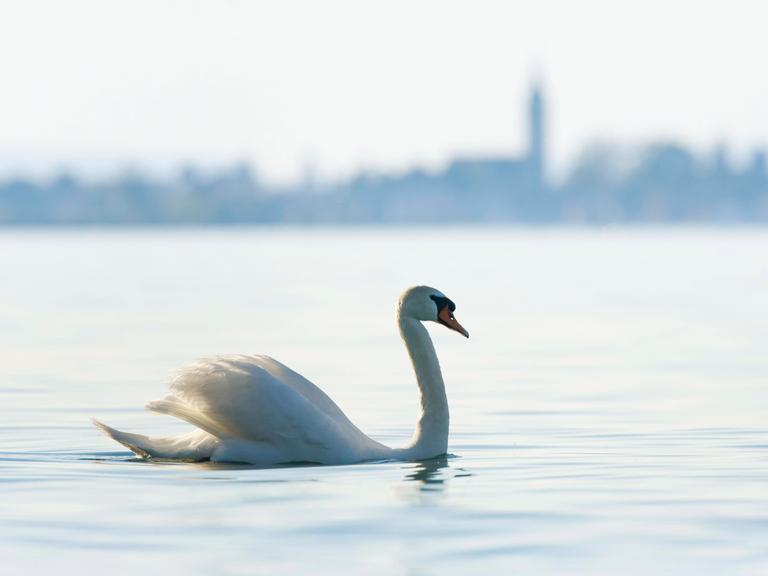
x=255, y=410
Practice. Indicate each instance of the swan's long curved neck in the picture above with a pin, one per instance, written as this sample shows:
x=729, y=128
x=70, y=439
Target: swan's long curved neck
x=431, y=436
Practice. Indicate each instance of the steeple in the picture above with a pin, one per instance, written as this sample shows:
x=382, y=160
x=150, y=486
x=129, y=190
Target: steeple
x=536, y=132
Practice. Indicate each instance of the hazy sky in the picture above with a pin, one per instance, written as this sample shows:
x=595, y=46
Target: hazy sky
x=344, y=85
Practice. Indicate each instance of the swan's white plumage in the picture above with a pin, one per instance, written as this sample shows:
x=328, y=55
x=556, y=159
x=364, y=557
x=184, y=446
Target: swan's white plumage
x=259, y=399
x=252, y=408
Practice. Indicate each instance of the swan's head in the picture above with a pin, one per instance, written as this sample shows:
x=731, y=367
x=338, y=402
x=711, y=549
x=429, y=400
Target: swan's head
x=429, y=305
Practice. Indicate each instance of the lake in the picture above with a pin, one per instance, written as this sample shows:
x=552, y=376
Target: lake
x=609, y=414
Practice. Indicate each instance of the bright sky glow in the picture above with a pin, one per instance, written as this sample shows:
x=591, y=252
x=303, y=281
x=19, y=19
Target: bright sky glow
x=344, y=85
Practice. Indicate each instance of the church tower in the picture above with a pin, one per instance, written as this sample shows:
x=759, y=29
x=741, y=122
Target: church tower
x=536, y=134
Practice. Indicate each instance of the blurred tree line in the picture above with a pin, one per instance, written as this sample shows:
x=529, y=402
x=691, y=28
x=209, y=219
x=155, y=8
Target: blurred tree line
x=661, y=183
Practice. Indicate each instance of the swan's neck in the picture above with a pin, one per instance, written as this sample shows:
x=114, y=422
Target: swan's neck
x=431, y=436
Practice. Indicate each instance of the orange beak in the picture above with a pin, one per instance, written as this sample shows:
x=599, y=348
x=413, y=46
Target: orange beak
x=446, y=318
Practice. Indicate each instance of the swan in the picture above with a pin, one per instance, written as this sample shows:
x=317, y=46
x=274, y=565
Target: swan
x=252, y=409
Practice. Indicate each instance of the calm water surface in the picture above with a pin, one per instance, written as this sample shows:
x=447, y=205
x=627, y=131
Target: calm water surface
x=609, y=413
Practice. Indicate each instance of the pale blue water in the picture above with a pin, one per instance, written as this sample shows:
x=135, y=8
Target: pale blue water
x=609, y=413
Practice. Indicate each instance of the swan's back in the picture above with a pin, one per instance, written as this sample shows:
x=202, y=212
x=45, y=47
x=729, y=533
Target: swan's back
x=289, y=377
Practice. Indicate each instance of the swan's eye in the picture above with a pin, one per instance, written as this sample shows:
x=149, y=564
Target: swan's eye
x=443, y=302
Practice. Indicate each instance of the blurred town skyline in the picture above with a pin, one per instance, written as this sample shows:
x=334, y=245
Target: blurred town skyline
x=660, y=182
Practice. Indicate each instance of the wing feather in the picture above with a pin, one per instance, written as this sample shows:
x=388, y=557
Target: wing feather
x=256, y=398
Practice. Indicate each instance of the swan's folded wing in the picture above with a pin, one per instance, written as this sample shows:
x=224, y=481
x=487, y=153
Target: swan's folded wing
x=229, y=397
x=296, y=381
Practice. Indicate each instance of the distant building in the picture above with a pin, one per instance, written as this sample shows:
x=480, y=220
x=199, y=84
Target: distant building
x=525, y=171
x=512, y=185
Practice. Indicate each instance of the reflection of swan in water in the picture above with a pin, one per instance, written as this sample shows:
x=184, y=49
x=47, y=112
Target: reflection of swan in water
x=434, y=473
x=255, y=410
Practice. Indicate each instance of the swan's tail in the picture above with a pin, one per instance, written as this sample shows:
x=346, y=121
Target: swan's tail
x=195, y=446
x=172, y=406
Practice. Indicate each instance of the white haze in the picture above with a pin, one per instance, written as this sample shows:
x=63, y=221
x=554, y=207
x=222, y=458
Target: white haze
x=337, y=86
